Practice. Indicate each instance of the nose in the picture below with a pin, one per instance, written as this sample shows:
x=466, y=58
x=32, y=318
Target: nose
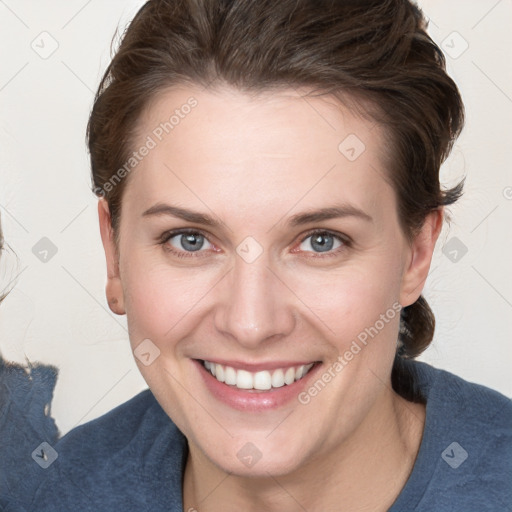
x=254, y=306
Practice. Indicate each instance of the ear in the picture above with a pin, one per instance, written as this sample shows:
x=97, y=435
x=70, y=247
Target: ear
x=420, y=257
x=114, y=289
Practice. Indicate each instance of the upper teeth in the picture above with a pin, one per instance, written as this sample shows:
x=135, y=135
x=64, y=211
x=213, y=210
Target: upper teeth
x=263, y=380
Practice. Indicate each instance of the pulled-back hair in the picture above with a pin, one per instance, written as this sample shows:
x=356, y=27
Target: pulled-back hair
x=376, y=53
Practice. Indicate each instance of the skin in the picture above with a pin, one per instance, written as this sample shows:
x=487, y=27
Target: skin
x=252, y=163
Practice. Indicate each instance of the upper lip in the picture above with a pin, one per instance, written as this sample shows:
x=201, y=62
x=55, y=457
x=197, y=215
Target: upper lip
x=261, y=366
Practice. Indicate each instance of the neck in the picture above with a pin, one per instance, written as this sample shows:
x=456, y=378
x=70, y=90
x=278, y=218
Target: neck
x=379, y=456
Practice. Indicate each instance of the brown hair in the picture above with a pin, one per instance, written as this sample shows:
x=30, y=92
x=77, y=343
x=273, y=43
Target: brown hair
x=376, y=52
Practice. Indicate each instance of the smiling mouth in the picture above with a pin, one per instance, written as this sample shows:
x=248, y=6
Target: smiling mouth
x=262, y=380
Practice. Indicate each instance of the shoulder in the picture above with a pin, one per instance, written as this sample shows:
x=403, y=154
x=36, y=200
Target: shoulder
x=115, y=462
x=465, y=458
x=464, y=404
x=25, y=399
x=116, y=430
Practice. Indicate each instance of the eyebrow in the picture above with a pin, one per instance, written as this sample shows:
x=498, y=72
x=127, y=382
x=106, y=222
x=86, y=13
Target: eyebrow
x=181, y=213
x=334, y=212
x=300, y=219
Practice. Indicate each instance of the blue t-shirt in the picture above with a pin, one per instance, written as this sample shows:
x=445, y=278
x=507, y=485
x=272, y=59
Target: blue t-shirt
x=133, y=458
x=25, y=421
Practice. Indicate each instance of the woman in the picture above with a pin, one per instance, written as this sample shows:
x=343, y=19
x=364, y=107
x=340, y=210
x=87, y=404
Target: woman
x=268, y=176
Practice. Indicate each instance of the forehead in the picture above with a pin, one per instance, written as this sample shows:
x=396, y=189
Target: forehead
x=255, y=151
x=223, y=116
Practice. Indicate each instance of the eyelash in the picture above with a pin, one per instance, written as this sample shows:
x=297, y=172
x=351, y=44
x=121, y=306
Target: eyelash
x=346, y=243
x=181, y=254
x=164, y=239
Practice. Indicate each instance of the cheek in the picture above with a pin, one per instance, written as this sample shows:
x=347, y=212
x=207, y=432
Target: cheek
x=158, y=298
x=166, y=303
x=352, y=299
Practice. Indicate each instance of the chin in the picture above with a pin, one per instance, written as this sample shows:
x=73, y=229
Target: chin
x=255, y=456
x=260, y=466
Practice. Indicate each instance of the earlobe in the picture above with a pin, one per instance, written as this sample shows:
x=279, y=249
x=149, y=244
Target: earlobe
x=113, y=289
x=422, y=249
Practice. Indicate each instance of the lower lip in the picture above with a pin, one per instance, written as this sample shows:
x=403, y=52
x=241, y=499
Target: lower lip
x=253, y=400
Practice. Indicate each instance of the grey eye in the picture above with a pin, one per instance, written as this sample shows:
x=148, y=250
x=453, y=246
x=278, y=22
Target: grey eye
x=320, y=242
x=190, y=242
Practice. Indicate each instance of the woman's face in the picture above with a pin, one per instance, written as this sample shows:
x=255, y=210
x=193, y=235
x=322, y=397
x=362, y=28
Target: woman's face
x=261, y=235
